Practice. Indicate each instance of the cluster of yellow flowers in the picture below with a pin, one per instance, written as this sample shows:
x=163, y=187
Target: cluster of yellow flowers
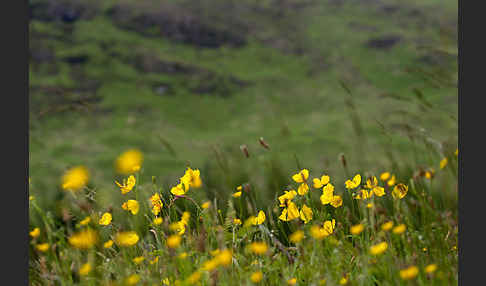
x=190, y=179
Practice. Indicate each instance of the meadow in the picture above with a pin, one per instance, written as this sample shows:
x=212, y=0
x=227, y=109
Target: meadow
x=331, y=87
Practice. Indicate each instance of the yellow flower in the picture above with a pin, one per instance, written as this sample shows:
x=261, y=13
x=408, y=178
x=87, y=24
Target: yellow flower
x=153, y=261
x=357, y=229
x=258, y=248
x=237, y=195
x=84, y=239
x=174, y=241
x=327, y=194
x=429, y=174
x=132, y=206
x=363, y=194
x=297, y=236
x=392, y=181
x=319, y=183
x=456, y=152
x=443, y=163
x=369, y=205
x=292, y=281
x=288, y=196
x=239, y=188
x=108, y=244
x=194, y=277
x=105, y=219
x=75, y=178
x=180, y=189
x=236, y=221
x=158, y=220
x=191, y=178
x=183, y=255
x=43, y=247
x=371, y=182
x=156, y=203
x=256, y=277
x=343, y=281
x=378, y=191
x=166, y=281
x=430, y=268
x=206, y=205
x=35, y=232
x=259, y=219
x=379, y=248
x=138, y=260
x=399, y=191
x=129, y=161
x=322, y=232
x=399, y=229
x=126, y=238
x=303, y=189
x=127, y=185
x=387, y=226
x=352, y=184
x=178, y=226
x=132, y=279
x=329, y=226
x=384, y=176
x=31, y=197
x=290, y=212
x=85, y=269
x=301, y=176
x=306, y=214
x=336, y=201
x=85, y=221
x=225, y=257
x=210, y=265
x=409, y=273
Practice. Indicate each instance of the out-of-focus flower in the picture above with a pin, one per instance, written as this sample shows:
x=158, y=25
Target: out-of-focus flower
x=399, y=229
x=409, y=272
x=42, y=247
x=126, y=238
x=35, y=232
x=387, y=226
x=258, y=247
x=85, y=269
x=297, y=236
x=129, y=162
x=357, y=229
x=131, y=206
x=174, y=241
x=443, y=163
x=379, y=248
x=84, y=239
x=256, y=277
x=75, y=178
x=108, y=244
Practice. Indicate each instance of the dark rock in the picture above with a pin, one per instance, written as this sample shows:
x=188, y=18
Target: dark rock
x=384, y=42
x=62, y=10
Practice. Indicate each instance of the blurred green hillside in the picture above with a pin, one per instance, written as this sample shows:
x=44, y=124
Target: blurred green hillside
x=185, y=81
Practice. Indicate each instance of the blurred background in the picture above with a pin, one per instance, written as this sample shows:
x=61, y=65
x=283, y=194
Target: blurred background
x=188, y=82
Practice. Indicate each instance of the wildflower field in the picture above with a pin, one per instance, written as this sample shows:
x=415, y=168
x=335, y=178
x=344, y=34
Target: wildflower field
x=306, y=143
x=389, y=228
